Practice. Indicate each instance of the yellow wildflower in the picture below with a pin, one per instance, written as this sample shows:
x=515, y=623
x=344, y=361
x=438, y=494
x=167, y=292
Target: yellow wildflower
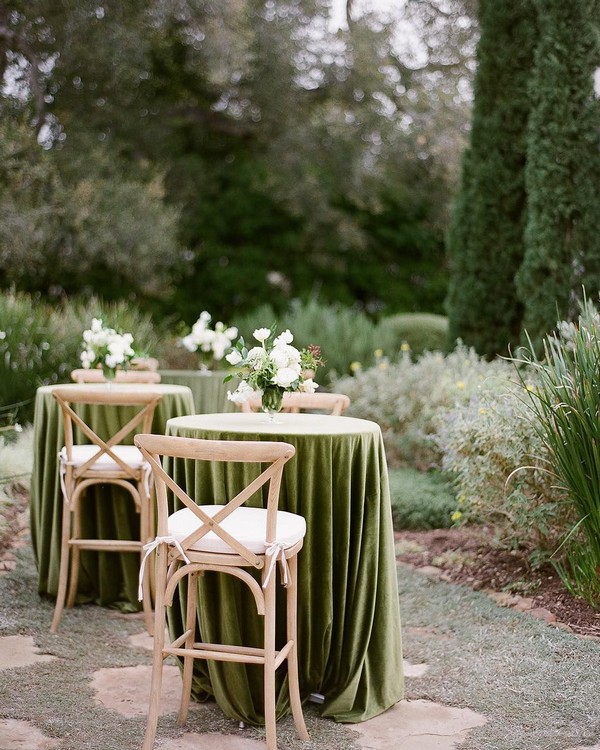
x=378, y=353
x=460, y=384
x=482, y=410
x=405, y=347
x=456, y=516
x=355, y=366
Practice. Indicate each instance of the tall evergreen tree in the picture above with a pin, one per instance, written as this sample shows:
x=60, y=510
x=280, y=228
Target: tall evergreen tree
x=485, y=240
x=562, y=235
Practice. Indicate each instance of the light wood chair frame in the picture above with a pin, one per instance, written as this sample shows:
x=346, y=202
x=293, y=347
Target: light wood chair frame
x=171, y=568
x=77, y=479
x=94, y=375
x=296, y=401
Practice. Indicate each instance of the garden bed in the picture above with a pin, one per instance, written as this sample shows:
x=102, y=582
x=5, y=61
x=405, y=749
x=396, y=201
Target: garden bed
x=469, y=555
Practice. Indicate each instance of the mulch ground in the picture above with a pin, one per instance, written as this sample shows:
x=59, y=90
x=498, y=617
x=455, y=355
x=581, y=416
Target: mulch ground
x=469, y=556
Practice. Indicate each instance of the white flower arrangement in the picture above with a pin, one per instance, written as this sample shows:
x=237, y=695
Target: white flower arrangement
x=211, y=344
x=272, y=368
x=106, y=347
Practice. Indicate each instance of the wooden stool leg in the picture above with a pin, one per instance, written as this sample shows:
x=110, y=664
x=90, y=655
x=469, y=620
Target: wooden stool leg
x=146, y=587
x=159, y=642
x=75, y=550
x=292, y=659
x=188, y=661
x=269, y=666
x=63, y=575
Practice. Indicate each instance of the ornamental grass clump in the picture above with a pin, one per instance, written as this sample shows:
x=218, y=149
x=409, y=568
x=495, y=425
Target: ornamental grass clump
x=566, y=408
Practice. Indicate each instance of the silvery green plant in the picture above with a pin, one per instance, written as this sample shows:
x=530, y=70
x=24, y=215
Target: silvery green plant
x=566, y=410
x=408, y=397
x=499, y=466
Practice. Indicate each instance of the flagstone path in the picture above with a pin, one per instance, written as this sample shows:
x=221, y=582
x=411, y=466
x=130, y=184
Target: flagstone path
x=411, y=725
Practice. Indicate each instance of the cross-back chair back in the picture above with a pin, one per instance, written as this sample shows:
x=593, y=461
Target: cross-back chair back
x=226, y=537
x=86, y=459
x=94, y=375
x=331, y=403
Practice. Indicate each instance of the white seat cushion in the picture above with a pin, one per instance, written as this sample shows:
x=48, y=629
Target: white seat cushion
x=247, y=525
x=82, y=453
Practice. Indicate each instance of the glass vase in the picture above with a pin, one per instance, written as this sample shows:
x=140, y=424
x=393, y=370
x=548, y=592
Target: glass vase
x=272, y=400
x=110, y=374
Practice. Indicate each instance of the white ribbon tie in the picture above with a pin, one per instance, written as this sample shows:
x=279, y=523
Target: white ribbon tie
x=149, y=548
x=275, y=550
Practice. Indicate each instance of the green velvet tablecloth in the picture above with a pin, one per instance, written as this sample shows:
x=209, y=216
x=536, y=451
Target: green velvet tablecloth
x=349, y=640
x=208, y=389
x=106, y=578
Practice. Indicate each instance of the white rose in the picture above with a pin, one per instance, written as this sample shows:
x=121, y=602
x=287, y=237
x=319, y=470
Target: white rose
x=87, y=357
x=111, y=361
x=283, y=338
x=279, y=357
x=188, y=343
x=262, y=334
x=241, y=394
x=234, y=357
x=285, y=376
x=256, y=357
x=308, y=386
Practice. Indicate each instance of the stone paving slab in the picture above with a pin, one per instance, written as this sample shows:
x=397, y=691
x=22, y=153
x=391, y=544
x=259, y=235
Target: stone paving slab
x=21, y=735
x=418, y=725
x=20, y=651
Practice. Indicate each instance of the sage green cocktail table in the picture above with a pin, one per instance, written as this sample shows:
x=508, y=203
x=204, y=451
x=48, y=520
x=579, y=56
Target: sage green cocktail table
x=349, y=639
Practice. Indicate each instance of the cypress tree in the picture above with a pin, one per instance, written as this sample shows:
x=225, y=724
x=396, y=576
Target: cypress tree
x=562, y=234
x=485, y=240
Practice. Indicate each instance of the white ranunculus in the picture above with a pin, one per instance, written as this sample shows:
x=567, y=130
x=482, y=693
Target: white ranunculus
x=283, y=338
x=234, y=357
x=262, y=334
x=285, y=376
x=96, y=325
x=231, y=332
x=308, y=386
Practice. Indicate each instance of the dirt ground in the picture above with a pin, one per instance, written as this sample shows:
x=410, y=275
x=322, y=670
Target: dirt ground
x=469, y=556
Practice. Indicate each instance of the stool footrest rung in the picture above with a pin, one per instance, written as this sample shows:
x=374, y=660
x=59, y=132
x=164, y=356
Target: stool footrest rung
x=216, y=652
x=107, y=545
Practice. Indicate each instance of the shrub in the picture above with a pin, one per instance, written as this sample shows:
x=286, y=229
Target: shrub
x=32, y=352
x=492, y=452
x=421, y=331
x=406, y=398
x=344, y=335
x=41, y=345
x=420, y=500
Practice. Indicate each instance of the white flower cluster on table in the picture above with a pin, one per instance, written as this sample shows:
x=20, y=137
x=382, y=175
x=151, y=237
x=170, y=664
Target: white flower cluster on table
x=212, y=342
x=273, y=364
x=104, y=346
